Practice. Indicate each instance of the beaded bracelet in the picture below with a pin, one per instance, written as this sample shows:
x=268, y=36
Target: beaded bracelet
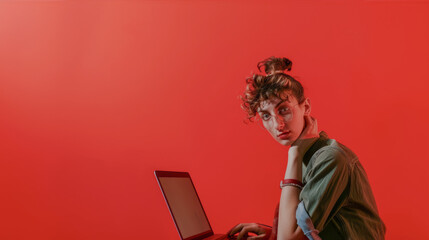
x=291, y=182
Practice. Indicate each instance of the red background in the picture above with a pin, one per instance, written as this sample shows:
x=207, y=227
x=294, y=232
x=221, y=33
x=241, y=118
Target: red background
x=97, y=95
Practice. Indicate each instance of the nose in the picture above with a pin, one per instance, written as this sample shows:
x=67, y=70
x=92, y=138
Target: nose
x=280, y=123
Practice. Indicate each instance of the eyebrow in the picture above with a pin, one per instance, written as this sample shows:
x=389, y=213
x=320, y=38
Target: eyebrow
x=262, y=110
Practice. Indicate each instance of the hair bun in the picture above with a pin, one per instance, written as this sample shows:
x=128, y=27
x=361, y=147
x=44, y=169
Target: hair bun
x=275, y=65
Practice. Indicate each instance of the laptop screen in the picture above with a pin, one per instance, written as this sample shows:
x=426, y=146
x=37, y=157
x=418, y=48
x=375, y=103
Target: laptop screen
x=184, y=205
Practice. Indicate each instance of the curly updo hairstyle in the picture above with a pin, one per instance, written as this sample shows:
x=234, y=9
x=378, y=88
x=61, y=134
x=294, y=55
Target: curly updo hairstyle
x=273, y=85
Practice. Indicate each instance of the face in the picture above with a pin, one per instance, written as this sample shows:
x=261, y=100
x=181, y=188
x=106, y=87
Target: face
x=284, y=119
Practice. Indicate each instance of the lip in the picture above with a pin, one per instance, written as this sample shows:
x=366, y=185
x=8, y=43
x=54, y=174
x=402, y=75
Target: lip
x=284, y=134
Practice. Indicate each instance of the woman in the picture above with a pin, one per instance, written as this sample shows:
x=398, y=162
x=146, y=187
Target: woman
x=325, y=193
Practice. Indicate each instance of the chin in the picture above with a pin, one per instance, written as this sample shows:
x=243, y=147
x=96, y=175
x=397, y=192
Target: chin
x=285, y=142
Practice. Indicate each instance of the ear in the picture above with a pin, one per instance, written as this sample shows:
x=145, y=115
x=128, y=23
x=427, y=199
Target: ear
x=307, y=106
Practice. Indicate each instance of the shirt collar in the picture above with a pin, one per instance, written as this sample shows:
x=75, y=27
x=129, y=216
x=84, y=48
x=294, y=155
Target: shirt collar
x=320, y=142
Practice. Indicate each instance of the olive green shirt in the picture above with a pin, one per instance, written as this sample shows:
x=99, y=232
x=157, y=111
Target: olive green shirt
x=336, y=201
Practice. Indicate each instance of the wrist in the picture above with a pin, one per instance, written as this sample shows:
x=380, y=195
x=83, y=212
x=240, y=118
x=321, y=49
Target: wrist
x=293, y=162
x=294, y=170
x=291, y=182
x=294, y=157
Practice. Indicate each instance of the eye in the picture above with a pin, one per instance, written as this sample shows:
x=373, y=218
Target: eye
x=284, y=110
x=265, y=116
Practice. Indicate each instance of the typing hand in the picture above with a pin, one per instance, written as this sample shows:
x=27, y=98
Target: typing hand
x=243, y=230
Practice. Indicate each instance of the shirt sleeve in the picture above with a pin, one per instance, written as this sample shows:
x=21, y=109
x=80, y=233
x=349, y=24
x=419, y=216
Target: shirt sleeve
x=324, y=191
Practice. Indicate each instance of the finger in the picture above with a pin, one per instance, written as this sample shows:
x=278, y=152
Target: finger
x=249, y=228
x=235, y=229
x=308, y=121
x=308, y=126
x=313, y=128
x=259, y=237
x=244, y=233
x=314, y=120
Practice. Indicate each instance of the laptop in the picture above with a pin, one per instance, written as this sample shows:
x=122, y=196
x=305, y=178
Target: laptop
x=185, y=206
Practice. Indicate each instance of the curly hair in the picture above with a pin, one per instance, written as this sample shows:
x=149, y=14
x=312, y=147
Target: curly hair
x=273, y=85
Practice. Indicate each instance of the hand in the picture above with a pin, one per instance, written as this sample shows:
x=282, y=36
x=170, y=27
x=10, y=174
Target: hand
x=307, y=137
x=262, y=232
